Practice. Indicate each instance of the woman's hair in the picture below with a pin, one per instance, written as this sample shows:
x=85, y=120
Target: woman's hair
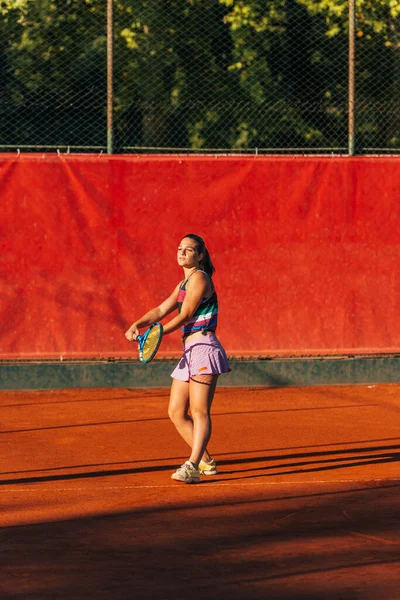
x=205, y=263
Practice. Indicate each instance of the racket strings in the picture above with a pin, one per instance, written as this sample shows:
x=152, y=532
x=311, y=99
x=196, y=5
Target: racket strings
x=151, y=343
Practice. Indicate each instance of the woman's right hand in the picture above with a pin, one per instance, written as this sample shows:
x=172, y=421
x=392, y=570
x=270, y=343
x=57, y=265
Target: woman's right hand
x=132, y=333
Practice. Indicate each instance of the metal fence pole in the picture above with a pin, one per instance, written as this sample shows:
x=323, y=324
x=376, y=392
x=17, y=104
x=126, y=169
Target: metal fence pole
x=110, y=95
x=351, y=91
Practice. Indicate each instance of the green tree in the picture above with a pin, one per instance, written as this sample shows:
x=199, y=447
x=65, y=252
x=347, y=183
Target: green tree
x=174, y=82
x=199, y=74
x=54, y=71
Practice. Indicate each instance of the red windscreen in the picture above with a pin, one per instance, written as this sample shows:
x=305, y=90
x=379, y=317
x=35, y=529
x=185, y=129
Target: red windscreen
x=306, y=251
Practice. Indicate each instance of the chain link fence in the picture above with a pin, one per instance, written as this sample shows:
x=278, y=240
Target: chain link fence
x=237, y=76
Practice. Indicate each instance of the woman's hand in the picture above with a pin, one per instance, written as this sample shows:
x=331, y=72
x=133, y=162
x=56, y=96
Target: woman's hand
x=132, y=333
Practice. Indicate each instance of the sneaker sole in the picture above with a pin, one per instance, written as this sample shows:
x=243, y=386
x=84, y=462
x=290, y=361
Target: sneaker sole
x=214, y=472
x=186, y=481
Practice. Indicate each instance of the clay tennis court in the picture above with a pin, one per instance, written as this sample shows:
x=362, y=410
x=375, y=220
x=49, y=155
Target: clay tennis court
x=306, y=505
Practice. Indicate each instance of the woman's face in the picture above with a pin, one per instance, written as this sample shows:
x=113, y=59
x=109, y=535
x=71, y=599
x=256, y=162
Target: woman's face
x=188, y=256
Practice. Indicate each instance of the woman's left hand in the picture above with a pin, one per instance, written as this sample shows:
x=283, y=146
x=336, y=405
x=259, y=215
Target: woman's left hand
x=132, y=333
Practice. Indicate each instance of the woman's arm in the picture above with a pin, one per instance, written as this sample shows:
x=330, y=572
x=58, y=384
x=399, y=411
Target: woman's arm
x=196, y=290
x=154, y=315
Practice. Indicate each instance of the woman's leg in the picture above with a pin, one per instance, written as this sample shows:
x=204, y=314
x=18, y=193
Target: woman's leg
x=178, y=409
x=201, y=393
x=178, y=412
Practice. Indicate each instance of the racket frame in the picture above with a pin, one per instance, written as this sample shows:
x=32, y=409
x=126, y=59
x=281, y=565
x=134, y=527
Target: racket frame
x=141, y=339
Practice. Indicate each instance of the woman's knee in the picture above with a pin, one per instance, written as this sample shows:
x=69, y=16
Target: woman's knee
x=178, y=401
x=200, y=414
x=177, y=414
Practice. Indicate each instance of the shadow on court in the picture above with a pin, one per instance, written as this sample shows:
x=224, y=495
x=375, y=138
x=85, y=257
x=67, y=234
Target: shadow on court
x=230, y=470
x=322, y=545
x=306, y=505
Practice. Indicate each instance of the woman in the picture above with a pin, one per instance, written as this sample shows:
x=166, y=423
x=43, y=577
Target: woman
x=204, y=359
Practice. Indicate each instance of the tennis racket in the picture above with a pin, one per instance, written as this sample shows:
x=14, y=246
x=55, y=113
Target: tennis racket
x=149, y=342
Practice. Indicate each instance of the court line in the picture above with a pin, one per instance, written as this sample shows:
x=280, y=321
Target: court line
x=213, y=484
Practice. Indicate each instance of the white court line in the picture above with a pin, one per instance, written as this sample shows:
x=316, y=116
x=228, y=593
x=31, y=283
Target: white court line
x=174, y=485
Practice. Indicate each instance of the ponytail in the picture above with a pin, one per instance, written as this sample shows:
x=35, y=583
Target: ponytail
x=206, y=262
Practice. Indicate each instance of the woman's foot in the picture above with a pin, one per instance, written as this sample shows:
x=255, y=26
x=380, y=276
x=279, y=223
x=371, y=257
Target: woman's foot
x=208, y=468
x=187, y=473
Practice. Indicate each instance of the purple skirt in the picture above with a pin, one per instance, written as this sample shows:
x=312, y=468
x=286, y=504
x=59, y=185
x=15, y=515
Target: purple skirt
x=202, y=356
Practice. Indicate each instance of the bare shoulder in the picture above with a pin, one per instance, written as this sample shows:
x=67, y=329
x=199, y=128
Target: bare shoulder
x=199, y=279
x=198, y=276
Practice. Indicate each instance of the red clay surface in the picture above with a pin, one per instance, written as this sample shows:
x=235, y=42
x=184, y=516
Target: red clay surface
x=306, y=505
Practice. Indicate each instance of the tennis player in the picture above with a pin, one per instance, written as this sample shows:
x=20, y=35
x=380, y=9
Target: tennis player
x=194, y=380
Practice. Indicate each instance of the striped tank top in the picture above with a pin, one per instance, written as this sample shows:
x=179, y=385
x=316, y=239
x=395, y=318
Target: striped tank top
x=205, y=318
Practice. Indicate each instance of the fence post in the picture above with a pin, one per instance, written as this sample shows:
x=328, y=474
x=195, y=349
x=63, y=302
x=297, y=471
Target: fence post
x=110, y=94
x=351, y=87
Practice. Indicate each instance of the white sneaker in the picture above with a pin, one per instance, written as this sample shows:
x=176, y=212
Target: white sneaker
x=187, y=473
x=208, y=468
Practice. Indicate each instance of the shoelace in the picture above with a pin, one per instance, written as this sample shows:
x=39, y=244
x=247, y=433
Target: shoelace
x=184, y=467
x=188, y=467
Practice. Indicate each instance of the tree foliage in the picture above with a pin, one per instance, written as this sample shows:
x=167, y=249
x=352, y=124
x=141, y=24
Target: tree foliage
x=198, y=74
